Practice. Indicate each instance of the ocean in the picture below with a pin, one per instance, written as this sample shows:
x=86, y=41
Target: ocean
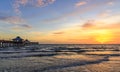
x=61, y=58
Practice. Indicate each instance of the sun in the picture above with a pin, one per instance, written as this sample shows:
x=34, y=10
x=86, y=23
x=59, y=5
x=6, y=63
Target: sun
x=103, y=36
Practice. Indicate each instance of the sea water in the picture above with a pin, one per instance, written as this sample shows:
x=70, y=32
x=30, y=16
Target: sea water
x=61, y=58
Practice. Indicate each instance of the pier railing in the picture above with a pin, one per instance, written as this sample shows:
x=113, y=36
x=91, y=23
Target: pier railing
x=5, y=43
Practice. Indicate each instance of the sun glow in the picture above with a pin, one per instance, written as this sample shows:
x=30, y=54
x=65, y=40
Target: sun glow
x=103, y=36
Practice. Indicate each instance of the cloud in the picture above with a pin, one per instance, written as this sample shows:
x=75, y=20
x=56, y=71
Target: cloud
x=56, y=33
x=81, y=3
x=104, y=14
x=44, y=2
x=113, y=26
x=21, y=27
x=17, y=5
x=12, y=19
x=89, y=24
x=76, y=12
x=35, y=3
x=110, y=3
x=25, y=26
x=100, y=25
x=17, y=22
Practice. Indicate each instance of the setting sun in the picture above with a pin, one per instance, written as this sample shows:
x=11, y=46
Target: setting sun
x=103, y=36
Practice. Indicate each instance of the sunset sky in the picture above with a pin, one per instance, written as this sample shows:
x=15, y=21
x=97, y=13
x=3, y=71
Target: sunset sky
x=61, y=21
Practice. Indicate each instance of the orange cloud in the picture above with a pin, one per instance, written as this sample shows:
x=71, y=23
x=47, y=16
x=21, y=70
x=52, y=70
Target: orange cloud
x=57, y=33
x=89, y=24
x=114, y=26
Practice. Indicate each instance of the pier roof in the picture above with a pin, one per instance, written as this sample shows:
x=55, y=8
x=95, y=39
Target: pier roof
x=18, y=38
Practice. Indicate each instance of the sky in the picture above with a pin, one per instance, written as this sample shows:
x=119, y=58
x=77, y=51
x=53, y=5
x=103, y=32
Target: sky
x=61, y=21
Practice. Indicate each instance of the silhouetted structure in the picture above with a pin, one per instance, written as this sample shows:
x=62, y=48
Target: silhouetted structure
x=18, y=41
